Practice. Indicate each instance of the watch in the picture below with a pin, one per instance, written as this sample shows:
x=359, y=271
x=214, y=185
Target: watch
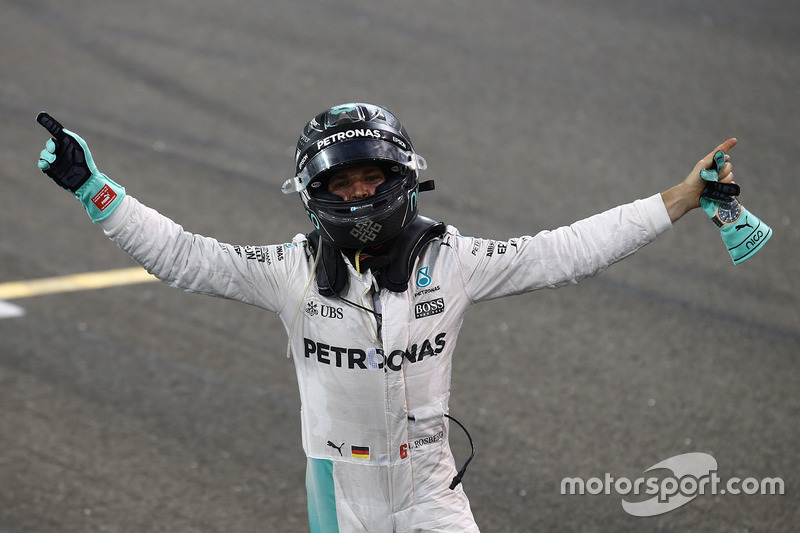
x=727, y=213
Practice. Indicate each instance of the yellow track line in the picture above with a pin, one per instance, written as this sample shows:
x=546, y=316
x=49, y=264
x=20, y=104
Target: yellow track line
x=74, y=282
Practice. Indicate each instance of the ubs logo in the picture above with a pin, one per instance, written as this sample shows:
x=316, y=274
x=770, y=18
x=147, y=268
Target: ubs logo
x=325, y=311
x=429, y=308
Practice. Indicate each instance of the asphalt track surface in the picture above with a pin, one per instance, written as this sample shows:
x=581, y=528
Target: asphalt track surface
x=141, y=408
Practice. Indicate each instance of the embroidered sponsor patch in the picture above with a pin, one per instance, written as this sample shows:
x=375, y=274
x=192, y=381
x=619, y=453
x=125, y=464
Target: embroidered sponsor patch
x=373, y=358
x=423, y=277
x=429, y=308
x=104, y=197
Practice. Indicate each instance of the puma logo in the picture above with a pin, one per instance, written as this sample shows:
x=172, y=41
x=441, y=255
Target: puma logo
x=745, y=225
x=338, y=448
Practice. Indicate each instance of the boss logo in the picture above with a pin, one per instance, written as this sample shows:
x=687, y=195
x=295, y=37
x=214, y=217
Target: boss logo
x=431, y=307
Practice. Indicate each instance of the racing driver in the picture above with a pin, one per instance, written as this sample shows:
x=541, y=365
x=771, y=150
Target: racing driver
x=374, y=386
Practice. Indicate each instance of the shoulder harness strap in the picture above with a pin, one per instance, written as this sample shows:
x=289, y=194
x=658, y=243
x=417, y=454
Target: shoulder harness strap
x=405, y=250
x=331, y=269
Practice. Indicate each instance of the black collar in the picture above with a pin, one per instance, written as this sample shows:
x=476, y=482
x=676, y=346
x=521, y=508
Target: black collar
x=393, y=274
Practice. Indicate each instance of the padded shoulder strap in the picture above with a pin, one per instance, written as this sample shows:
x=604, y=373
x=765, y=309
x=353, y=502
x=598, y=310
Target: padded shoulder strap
x=405, y=250
x=332, y=268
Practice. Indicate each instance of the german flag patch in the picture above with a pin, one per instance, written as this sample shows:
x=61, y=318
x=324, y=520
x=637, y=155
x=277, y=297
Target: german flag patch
x=359, y=452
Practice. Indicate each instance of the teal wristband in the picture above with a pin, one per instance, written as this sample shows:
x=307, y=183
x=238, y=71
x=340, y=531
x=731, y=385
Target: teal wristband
x=100, y=195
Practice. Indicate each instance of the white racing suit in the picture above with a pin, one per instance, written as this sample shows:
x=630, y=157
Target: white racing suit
x=374, y=399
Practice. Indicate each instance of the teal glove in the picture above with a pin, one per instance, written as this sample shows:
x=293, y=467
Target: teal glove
x=68, y=161
x=742, y=232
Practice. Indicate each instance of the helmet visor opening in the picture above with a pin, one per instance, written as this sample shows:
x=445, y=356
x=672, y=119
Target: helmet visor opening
x=349, y=153
x=393, y=174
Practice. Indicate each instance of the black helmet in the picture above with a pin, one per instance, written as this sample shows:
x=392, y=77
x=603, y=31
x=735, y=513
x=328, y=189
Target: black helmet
x=354, y=134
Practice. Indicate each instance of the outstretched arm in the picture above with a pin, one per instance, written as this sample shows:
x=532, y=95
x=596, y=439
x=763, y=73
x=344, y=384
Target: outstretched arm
x=257, y=275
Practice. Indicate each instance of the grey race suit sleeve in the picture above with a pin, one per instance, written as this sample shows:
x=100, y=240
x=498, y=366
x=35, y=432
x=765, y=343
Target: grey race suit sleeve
x=373, y=400
x=256, y=275
x=492, y=269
